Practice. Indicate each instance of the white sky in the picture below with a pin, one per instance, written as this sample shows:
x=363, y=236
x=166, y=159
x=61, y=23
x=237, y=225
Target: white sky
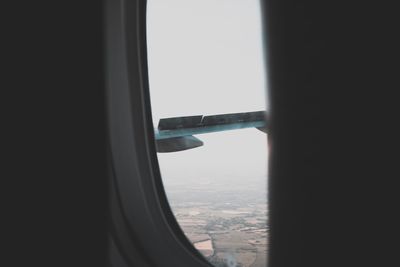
x=206, y=57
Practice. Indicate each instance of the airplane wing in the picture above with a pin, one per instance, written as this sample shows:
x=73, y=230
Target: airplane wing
x=176, y=134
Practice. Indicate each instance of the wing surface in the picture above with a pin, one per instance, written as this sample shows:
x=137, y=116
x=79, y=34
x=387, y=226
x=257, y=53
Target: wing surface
x=176, y=134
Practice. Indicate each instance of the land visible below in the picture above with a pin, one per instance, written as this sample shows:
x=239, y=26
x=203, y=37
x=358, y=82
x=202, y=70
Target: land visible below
x=226, y=223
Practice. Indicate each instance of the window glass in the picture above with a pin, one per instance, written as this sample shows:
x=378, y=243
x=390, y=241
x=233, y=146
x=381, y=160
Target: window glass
x=207, y=86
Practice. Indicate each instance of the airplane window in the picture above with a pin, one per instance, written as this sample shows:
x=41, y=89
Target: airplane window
x=207, y=86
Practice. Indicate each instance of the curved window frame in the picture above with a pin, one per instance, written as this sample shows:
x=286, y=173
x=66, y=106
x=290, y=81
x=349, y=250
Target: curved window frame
x=143, y=229
x=141, y=219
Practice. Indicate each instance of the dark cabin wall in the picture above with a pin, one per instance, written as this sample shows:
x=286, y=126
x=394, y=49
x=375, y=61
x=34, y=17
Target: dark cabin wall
x=55, y=132
x=332, y=116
